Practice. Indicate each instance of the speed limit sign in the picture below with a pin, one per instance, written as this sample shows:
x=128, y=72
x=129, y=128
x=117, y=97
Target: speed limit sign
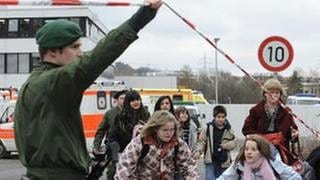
x=275, y=53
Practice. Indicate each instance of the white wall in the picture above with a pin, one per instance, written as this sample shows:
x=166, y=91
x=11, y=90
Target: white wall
x=238, y=112
x=14, y=80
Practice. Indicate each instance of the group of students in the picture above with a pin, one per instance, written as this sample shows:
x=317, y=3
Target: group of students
x=49, y=133
x=173, y=147
x=130, y=125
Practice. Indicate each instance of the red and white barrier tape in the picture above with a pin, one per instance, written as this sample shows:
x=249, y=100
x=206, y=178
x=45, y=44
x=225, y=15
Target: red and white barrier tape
x=68, y=3
x=192, y=26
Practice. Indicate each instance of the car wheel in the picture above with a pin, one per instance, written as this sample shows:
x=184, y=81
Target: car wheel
x=3, y=151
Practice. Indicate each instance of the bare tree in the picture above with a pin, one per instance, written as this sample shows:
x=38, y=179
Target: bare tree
x=123, y=69
x=186, y=77
x=294, y=83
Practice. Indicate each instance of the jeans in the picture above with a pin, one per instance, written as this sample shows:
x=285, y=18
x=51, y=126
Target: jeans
x=210, y=174
x=213, y=170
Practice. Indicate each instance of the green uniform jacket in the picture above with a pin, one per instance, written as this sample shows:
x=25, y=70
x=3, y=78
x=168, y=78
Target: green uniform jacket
x=105, y=126
x=48, y=127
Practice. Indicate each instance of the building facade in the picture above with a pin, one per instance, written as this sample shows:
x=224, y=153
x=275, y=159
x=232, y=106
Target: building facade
x=311, y=88
x=18, y=26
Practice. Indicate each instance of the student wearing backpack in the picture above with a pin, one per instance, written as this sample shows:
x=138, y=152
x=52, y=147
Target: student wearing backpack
x=157, y=152
x=132, y=115
x=216, y=141
x=258, y=159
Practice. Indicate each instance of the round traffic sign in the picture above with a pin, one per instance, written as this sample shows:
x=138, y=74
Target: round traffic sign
x=275, y=53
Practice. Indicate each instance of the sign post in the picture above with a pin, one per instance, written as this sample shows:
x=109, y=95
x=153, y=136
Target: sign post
x=275, y=54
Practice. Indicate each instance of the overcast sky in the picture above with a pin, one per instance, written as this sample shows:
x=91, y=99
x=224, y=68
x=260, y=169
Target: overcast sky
x=168, y=43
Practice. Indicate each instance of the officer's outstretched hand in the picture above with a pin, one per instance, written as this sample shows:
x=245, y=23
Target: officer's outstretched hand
x=155, y=4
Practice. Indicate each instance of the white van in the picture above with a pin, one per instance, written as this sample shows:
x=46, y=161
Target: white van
x=305, y=99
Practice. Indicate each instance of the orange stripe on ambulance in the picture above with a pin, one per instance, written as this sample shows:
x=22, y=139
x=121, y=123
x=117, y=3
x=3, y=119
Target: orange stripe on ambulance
x=96, y=100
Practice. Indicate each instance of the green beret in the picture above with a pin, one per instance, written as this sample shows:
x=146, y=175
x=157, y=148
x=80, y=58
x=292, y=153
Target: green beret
x=58, y=33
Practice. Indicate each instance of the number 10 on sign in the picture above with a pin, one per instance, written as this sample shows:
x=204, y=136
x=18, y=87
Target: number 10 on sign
x=275, y=53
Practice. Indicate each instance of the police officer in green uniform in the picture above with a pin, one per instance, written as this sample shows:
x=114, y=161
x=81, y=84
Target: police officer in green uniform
x=105, y=126
x=48, y=128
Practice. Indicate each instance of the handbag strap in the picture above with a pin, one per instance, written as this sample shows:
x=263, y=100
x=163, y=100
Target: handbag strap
x=295, y=151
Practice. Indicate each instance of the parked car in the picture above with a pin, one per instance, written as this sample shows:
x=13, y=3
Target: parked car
x=7, y=144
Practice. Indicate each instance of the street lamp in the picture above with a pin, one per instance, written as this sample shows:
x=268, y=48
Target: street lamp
x=216, y=68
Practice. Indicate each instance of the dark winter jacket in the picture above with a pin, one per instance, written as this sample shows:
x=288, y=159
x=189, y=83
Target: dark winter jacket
x=204, y=145
x=255, y=123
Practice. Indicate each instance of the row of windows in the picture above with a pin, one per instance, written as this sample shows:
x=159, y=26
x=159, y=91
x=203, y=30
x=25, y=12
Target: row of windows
x=27, y=27
x=22, y=63
x=18, y=63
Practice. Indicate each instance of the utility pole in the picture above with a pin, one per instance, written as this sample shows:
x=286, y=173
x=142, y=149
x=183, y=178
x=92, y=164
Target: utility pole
x=216, y=68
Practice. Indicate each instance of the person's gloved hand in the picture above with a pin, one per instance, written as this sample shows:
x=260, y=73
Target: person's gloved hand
x=154, y=4
x=144, y=14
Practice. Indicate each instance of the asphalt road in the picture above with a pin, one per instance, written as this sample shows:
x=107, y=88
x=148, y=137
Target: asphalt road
x=12, y=169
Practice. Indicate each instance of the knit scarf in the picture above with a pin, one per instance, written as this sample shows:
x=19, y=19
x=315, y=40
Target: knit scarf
x=165, y=149
x=261, y=165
